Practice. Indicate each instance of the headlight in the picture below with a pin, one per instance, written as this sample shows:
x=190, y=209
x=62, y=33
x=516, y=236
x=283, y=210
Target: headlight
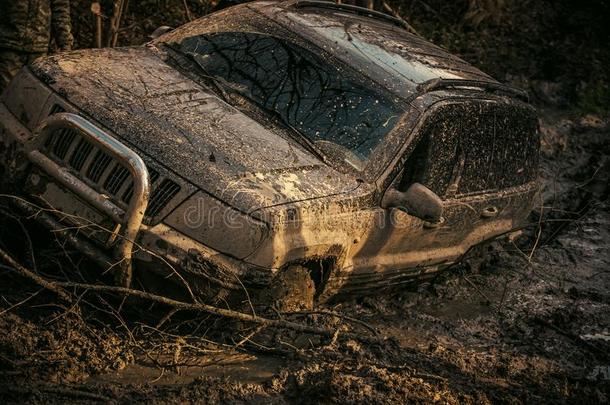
x=217, y=225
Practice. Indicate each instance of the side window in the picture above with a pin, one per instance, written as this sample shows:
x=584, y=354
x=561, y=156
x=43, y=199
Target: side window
x=415, y=165
x=307, y=93
x=434, y=161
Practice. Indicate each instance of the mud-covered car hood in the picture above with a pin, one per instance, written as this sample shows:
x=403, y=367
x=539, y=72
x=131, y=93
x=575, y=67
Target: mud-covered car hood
x=175, y=121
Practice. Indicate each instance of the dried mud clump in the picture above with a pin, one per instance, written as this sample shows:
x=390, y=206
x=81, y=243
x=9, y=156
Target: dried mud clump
x=59, y=349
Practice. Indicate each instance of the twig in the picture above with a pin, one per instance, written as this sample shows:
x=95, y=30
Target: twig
x=249, y=336
x=490, y=302
x=335, y=337
x=75, y=393
x=120, y=6
x=33, y=210
x=56, y=390
x=395, y=13
x=166, y=317
x=340, y=316
x=575, y=338
x=539, y=233
x=189, y=16
x=504, y=290
x=20, y=302
x=51, y=286
x=59, y=289
x=597, y=274
x=223, y=347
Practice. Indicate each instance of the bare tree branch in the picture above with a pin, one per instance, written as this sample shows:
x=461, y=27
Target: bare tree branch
x=60, y=289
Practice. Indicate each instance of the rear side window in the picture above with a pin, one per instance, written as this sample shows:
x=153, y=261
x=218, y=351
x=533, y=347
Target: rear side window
x=304, y=91
x=475, y=147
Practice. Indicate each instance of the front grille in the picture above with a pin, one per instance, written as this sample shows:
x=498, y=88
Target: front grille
x=115, y=180
x=161, y=196
x=82, y=151
x=100, y=163
x=106, y=175
x=56, y=109
x=65, y=137
x=153, y=176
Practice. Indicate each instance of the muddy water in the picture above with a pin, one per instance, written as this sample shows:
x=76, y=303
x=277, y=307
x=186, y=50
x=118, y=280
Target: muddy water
x=244, y=368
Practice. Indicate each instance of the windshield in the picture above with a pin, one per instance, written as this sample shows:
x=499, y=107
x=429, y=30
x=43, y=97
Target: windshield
x=327, y=105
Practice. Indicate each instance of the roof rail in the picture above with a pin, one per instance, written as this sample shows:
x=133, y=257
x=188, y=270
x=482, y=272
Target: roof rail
x=356, y=10
x=439, y=84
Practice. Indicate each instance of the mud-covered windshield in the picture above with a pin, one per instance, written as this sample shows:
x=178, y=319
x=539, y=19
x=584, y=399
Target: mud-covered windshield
x=327, y=105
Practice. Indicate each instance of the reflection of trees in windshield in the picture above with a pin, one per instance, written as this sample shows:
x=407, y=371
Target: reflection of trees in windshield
x=307, y=93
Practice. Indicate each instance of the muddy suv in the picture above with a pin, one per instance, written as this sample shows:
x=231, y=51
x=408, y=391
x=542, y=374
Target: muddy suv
x=318, y=144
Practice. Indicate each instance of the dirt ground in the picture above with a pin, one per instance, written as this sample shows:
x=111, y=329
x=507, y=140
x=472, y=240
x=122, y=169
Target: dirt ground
x=531, y=324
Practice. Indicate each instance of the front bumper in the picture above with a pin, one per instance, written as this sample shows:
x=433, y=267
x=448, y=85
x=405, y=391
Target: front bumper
x=105, y=232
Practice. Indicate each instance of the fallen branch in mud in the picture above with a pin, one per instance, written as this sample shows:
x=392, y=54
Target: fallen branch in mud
x=335, y=314
x=60, y=288
x=49, y=285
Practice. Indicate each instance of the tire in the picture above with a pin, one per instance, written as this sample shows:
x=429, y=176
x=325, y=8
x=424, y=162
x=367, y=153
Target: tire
x=292, y=290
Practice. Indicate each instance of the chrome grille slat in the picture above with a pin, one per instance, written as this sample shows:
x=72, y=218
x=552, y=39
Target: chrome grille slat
x=72, y=147
x=50, y=141
x=88, y=162
x=56, y=109
x=153, y=176
x=99, y=165
x=107, y=173
x=63, y=141
x=125, y=186
x=161, y=196
x=126, y=198
x=118, y=175
x=80, y=155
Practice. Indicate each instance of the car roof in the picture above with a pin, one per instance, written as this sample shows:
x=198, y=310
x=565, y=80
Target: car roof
x=376, y=45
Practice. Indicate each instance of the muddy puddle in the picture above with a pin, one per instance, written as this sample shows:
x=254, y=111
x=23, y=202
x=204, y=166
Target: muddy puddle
x=243, y=368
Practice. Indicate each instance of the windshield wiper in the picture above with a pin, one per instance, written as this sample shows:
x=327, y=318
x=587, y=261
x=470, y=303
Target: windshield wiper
x=215, y=82
x=221, y=87
x=295, y=134
x=202, y=71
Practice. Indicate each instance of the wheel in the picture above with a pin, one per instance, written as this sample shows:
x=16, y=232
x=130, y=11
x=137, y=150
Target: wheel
x=292, y=290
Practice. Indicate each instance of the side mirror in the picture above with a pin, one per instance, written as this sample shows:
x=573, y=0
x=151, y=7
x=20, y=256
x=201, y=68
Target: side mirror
x=418, y=201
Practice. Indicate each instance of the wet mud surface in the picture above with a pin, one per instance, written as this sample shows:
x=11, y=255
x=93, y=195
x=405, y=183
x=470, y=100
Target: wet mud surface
x=528, y=323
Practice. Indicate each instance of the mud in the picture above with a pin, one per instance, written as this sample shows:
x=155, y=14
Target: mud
x=529, y=323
